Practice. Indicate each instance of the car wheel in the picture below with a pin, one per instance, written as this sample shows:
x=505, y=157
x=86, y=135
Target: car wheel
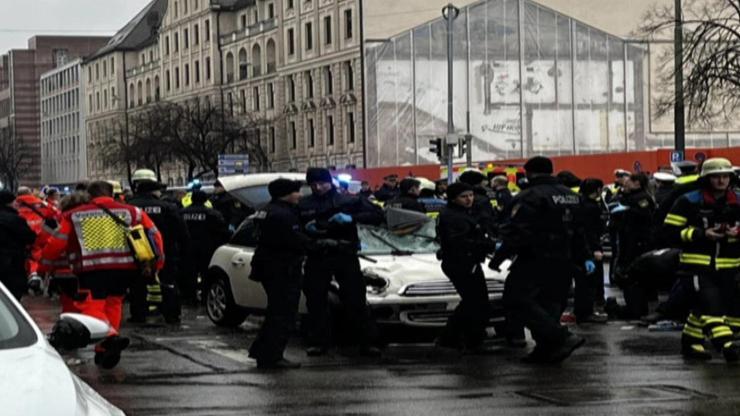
x=220, y=305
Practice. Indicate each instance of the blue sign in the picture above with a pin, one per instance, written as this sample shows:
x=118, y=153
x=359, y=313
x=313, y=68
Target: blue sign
x=677, y=156
x=233, y=164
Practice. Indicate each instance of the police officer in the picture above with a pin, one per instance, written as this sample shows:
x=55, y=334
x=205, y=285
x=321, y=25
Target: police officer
x=277, y=265
x=632, y=221
x=208, y=230
x=232, y=210
x=167, y=218
x=501, y=194
x=389, y=190
x=543, y=233
x=331, y=218
x=15, y=239
x=482, y=203
x=463, y=249
x=409, y=196
x=704, y=225
x=589, y=289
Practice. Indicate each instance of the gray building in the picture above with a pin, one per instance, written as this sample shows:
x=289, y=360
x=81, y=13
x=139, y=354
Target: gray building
x=63, y=139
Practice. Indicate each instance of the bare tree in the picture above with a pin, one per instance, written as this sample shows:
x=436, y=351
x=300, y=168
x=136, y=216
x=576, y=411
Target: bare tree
x=118, y=148
x=711, y=58
x=12, y=156
x=151, y=134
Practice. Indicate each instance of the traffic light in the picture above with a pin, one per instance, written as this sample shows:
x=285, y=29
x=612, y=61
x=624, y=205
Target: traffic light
x=436, y=146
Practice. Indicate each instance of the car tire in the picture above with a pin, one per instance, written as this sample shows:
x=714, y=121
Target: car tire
x=220, y=305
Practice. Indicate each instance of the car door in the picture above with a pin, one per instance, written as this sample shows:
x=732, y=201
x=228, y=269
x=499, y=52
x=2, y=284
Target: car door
x=238, y=266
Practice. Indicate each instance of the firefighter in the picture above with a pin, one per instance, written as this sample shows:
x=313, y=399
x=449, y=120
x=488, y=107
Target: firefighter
x=277, y=264
x=330, y=217
x=94, y=236
x=167, y=218
x=543, y=235
x=15, y=238
x=408, y=198
x=208, y=230
x=43, y=219
x=704, y=225
x=464, y=246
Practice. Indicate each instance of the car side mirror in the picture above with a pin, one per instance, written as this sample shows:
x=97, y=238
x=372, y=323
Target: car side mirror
x=75, y=330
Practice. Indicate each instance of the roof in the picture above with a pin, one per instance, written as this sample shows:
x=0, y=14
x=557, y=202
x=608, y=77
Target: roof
x=233, y=4
x=139, y=31
x=231, y=183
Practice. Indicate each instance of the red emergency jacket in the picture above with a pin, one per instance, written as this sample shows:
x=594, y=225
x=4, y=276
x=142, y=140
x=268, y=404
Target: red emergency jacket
x=37, y=213
x=93, y=241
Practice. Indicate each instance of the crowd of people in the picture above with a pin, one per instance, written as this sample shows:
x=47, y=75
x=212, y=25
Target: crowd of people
x=666, y=234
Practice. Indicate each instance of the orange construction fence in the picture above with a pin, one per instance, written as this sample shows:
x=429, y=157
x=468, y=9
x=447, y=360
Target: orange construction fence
x=598, y=165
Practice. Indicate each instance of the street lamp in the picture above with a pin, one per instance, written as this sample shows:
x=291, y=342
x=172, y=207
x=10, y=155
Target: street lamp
x=678, y=108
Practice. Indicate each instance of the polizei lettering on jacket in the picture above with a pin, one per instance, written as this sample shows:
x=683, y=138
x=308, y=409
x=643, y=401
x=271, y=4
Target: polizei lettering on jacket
x=566, y=199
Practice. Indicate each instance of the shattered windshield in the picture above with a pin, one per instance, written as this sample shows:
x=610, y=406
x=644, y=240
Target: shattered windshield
x=377, y=240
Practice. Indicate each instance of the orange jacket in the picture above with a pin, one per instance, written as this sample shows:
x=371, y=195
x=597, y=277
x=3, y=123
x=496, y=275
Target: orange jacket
x=93, y=241
x=37, y=213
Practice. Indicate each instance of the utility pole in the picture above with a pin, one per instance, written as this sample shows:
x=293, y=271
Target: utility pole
x=678, y=109
x=450, y=13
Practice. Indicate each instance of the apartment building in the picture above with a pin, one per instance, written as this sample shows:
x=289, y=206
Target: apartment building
x=63, y=139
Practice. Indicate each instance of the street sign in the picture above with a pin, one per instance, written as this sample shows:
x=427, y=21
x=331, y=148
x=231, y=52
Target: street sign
x=231, y=164
x=677, y=156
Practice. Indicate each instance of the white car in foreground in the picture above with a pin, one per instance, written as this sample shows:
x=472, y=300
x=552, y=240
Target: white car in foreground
x=405, y=283
x=34, y=380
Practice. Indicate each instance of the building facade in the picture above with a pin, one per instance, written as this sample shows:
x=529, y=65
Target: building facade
x=63, y=138
x=20, y=102
x=294, y=65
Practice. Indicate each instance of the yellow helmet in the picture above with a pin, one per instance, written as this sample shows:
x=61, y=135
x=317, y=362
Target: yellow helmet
x=117, y=188
x=716, y=166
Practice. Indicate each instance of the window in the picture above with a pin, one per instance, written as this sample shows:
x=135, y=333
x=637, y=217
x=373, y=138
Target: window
x=176, y=8
x=309, y=84
x=350, y=127
x=113, y=97
x=311, y=133
x=243, y=21
x=105, y=99
x=187, y=75
x=207, y=34
x=112, y=66
x=309, y=36
x=270, y=11
x=167, y=80
x=151, y=56
x=177, y=42
x=329, y=130
x=208, y=68
x=270, y=96
x=327, y=30
x=290, y=4
x=89, y=74
x=291, y=89
x=272, y=139
x=256, y=98
x=196, y=35
x=105, y=69
x=97, y=101
x=97, y=72
x=291, y=42
x=348, y=24
x=166, y=45
x=143, y=59
x=349, y=76
x=197, y=72
x=195, y=4
x=177, y=78
x=293, y=138
x=329, y=81
x=243, y=65
x=90, y=102
x=244, y=100
x=185, y=39
x=185, y=7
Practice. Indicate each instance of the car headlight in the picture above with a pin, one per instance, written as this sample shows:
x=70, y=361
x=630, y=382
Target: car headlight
x=375, y=283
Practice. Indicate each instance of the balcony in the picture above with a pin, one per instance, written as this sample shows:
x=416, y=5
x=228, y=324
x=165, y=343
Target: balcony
x=142, y=68
x=253, y=30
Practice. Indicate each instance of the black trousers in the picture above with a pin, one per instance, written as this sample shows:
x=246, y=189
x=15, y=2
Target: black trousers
x=469, y=320
x=357, y=322
x=198, y=262
x=170, y=302
x=282, y=284
x=534, y=294
x=589, y=288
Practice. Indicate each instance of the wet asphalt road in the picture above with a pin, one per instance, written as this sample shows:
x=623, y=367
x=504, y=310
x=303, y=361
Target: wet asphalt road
x=199, y=369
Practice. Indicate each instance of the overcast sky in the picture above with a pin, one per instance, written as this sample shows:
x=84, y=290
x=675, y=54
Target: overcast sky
x=22, y=19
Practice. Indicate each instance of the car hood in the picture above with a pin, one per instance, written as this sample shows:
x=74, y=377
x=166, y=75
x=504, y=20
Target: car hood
x=36, y=381
x=403, y=270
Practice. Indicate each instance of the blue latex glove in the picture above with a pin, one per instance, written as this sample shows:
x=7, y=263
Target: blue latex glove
x=619, y=208
x=590, y=267
x=341, y=218
x=311, y=227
